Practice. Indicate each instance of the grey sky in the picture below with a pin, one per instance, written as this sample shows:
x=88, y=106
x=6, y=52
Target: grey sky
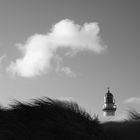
x=117, y=67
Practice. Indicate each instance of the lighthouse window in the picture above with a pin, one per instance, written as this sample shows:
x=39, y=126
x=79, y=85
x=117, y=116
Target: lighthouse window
x=109, y=100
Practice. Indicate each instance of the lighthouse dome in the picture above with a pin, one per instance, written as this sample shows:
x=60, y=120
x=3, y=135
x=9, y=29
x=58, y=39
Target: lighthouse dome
x=109, y=94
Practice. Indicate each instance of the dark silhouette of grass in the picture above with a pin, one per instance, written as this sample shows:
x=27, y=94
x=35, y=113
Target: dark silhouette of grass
x=127, y=129
x=48, y=119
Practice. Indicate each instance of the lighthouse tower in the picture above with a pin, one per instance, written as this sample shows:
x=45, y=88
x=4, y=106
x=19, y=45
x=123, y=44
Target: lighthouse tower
x=109, y=106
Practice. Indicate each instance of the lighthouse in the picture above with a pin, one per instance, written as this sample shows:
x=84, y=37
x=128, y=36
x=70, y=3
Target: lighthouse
x=109, y=106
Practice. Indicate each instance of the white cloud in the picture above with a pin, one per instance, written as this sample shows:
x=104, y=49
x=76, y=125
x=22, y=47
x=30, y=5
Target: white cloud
x=1, y=61
x=2, y=58
x=69, y=99
x=63, y=69
x=39, y=49
x=134, y=100
x=66, y=70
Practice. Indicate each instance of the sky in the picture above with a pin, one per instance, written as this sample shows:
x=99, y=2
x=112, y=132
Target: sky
x=71, y=49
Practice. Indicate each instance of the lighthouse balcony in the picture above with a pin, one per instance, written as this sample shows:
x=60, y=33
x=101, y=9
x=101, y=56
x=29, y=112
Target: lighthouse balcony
x=109, y=107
